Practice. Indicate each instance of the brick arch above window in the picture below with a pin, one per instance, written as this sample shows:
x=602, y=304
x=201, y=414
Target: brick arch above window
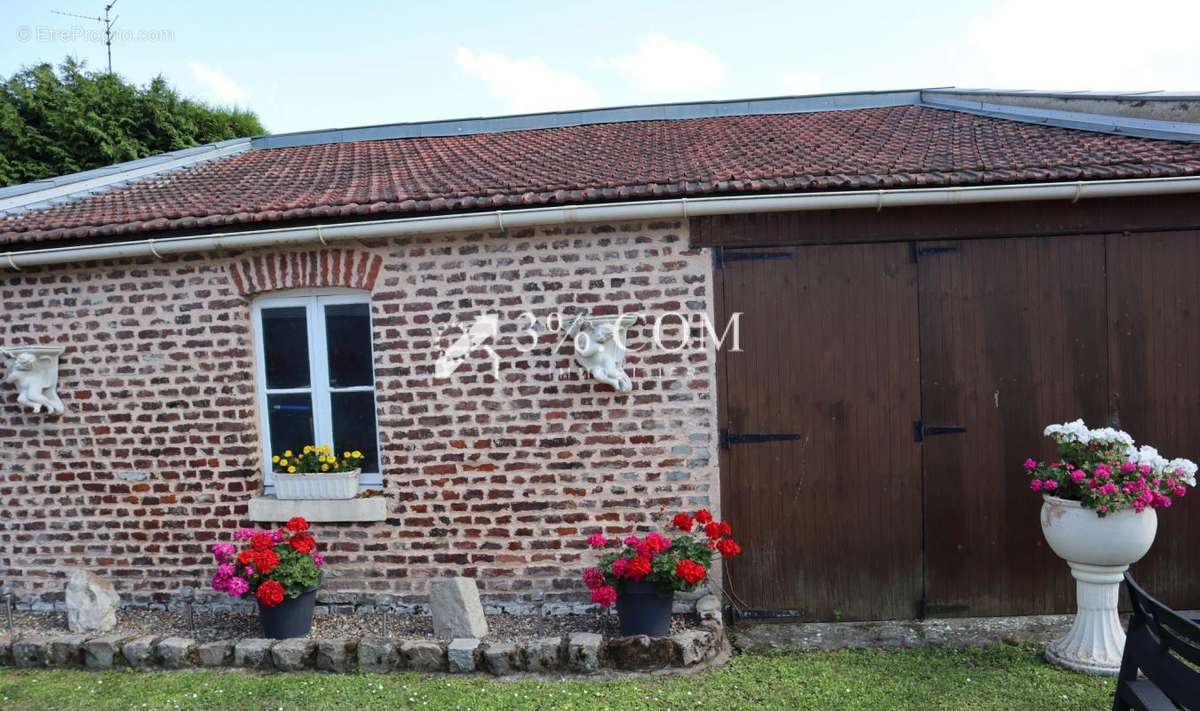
x=305, y=270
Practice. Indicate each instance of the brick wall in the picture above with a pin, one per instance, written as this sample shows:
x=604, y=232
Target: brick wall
x=499, y=479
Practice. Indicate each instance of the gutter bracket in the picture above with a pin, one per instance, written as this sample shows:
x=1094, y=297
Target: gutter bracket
x=500, y=220
x=1078, y=191
x=11, y=263
x=153, y=250
x=321, y=237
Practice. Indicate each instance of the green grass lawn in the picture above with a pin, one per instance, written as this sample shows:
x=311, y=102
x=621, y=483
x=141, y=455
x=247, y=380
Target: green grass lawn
x=1002, y=677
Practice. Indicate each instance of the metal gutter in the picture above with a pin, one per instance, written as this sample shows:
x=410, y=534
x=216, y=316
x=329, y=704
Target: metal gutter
x=679, y=208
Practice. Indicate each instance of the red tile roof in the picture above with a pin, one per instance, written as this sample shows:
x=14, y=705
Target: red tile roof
x=893, y=147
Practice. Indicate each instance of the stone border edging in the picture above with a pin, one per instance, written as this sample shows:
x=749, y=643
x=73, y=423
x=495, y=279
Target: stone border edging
x=578, y=653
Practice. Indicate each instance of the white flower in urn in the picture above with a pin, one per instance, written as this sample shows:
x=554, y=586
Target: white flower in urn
x=34, y=371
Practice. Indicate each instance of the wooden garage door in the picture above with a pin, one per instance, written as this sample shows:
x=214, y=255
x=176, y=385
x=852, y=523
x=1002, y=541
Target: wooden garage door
x=1013, y=337
x=1154, y=355
x=830, y=519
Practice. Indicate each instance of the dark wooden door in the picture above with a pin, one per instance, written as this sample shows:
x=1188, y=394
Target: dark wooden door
x=1154, y=331
x=831, y=521
x=1013, y=337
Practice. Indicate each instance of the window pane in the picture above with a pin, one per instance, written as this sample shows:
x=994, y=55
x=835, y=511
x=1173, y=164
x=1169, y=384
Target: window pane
x=348, y=335
x=290, y=417
x=354, y=426
x=285, y=345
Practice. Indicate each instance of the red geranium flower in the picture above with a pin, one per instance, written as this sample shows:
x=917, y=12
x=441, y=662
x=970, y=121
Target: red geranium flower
x=726, y=529
x=266, y=561
x=691, y=571
x=245, y=557
x=262, y=541
x=712, y=529
x=296, y=524
x=303, y=542
x=639, y=568
x=682, y=521
x=728, y=548
x=270, y=593
x=703, y=516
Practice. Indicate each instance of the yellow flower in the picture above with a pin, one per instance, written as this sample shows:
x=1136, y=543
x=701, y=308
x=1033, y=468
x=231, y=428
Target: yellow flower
x=287, y=453
x=275, y=459
x=357, y=454
x=283, y=462
x=345, y=455
x=291, y=470
x=324, y=467
x=308, y=448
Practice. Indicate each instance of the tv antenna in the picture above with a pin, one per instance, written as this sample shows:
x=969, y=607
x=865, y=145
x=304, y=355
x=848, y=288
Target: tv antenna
x=106, y=21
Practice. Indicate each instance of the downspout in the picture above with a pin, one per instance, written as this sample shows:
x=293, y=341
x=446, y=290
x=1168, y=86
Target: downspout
x=678, y=208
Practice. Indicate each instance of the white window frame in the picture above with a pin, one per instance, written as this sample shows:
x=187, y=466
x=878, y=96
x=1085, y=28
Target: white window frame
x=314, y=301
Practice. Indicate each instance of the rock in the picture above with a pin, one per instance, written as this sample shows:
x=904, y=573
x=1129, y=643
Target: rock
x=294, y=654
x=5, y=651
x=67, y=651
x=502, y=658
x=29, y=652
x=178, y=653
x=583, y=652
x=104, y=652
x=141, y=653
x=457, y=613
x=708, y=609
x=91, y=603
x=692, y=647
x=641, y=653
x=377, y=655
x=337, y=655
x=215, y=654
x=423, y=656
x=461, y=655
x=543, y=655
x=253, y=653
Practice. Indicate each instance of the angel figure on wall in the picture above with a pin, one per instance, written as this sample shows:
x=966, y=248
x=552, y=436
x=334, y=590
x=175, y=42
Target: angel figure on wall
x=34, y=371
x=600, y=348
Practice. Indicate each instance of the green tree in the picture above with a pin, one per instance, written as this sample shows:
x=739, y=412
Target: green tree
x=58, y=122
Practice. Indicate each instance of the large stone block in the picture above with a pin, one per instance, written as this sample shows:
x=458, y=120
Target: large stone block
x=457, y=612
x=141, y=653
x=294, y=654
x=5, y=651
x=337, y=655
x=253, y=653
x=692, y=646
x=30, y=652
x=502, y=658
x=544, y=655
x=91, y=603
x=216, y=654
x=641, y=653
x=104, y=652
x=67, y=651
x=462, y=654
x=583, y=652
x=423, y=656
x=178, y=653
x=377, y=655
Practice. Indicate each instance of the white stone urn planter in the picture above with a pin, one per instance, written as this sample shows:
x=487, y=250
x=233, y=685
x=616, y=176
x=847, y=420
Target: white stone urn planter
x=323, y=485
x=1099, y=551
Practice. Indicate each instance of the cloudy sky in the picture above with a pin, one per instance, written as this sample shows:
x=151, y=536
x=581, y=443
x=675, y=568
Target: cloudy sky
x=304, y=64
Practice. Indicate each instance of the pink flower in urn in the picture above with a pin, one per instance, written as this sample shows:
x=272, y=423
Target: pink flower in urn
x=237, y=587
x=597, y=540
x=222, y=552
x=1035, y=485
x=620, y=567
x=318, y=558
x=244, y=534
x=604, y=596
x=1128, y=467
x=631, y=540
x=593, y=578
x=1078, y=476
x=1180, y=490
x=1030, y=463
x=1050, y=485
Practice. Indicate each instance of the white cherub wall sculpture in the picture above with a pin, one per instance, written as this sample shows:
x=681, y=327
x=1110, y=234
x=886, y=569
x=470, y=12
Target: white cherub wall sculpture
x=600, y=347
x=34, y=370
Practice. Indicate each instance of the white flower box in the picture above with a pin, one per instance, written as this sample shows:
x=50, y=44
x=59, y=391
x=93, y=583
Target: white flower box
x=333, y=485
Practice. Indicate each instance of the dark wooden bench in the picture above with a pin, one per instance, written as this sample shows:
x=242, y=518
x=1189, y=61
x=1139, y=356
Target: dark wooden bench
x=1164, y=646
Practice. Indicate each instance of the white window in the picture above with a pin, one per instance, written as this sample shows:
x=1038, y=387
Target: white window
x=316, y=375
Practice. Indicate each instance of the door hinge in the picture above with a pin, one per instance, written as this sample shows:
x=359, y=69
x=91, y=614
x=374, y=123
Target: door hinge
x=916, y=251
x=737, y=255
x=727, y=439
x=921, y=430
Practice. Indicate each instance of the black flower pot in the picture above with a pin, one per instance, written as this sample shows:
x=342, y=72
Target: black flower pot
x=290, y=618
x=643, y=609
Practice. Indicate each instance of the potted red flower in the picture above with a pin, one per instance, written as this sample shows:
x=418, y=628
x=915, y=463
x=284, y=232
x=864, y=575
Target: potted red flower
x=641, y=575
x=281, y=569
